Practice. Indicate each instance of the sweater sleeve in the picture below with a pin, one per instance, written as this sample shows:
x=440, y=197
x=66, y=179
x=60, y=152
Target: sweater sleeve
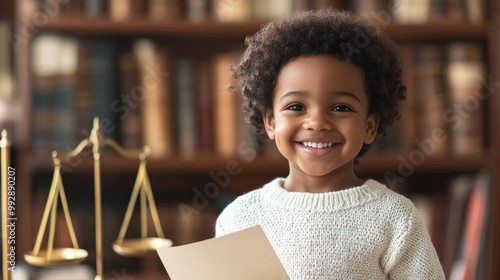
x=413, y=255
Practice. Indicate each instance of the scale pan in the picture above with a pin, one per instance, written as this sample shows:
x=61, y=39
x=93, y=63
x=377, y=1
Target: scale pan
x=136, y=247
x=60, y=256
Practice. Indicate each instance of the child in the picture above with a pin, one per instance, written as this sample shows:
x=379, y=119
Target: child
x=323, y=85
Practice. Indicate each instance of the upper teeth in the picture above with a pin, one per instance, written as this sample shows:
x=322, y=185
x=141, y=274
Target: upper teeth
x=317, y=145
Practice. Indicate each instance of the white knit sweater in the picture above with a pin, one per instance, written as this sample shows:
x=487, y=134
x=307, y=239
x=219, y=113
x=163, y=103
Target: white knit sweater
x=366, y=232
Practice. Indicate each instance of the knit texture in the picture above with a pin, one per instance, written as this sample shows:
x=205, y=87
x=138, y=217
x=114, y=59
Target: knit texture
x=365, y=232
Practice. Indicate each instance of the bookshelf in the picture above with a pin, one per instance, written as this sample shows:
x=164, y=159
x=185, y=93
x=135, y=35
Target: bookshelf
x=175, y=178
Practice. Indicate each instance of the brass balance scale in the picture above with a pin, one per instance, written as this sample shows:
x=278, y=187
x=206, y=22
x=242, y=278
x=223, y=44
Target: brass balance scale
x=132, y=247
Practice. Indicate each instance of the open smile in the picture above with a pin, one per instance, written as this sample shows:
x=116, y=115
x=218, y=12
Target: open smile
x=318, y=145
x=317, y=148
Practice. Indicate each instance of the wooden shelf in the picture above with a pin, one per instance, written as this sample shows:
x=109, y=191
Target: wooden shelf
x=103, y=27
x=438, y=31
x=138, y=27
x=437, y=165
x=204, y=164
x=181, y=166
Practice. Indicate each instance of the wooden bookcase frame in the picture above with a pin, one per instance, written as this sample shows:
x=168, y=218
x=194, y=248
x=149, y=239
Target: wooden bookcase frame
x=27, y=165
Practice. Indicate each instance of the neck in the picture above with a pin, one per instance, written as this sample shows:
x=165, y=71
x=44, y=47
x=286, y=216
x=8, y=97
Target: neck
x=297, y=181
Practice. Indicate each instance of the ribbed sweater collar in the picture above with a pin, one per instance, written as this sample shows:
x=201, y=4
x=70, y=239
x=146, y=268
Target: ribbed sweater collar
x=274, y=194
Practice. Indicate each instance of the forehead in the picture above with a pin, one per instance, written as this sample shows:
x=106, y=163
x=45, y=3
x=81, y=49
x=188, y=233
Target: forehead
x=320, y=72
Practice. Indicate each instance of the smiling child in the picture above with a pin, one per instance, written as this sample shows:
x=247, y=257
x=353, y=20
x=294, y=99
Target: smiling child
x=322, y=85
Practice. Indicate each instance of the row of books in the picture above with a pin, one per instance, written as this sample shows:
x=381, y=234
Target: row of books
x=191, y=10
x=142, y=94
x=147, y=94
x=458, y=223
x=448, y=89
x=409, y=11
x=402, y=11
x=71, y=83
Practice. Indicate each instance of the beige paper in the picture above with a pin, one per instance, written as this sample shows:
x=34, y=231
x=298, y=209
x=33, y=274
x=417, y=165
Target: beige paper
x=243, y=255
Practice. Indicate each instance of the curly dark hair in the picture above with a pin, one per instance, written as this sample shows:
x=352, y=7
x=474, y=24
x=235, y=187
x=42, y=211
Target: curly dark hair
x=308, y=33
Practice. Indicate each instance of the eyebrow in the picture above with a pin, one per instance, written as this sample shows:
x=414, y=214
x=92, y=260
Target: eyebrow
x=336, y=93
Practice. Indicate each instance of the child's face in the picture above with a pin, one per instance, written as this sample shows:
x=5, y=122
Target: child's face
x=320, y=116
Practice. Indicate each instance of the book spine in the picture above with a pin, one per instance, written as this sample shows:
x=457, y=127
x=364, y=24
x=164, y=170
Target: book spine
x=205, y=106
x=409, y=107
x=466, y=115
x=225, y=111
x=187, y=109
x=164, y=10
x=197, y=10
x=120, y=10
x=130, y=117
x=156, y=92
x=104, y=83
x=431, y=90
x=94, y=8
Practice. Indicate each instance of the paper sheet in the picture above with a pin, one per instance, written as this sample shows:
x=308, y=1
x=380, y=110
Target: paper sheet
x=243, y=255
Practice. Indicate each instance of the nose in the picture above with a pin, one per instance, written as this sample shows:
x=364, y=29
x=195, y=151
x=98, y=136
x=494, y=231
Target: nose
x=318, y=120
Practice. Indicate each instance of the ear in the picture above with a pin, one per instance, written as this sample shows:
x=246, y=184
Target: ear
x=371, y=128
x=269, y=123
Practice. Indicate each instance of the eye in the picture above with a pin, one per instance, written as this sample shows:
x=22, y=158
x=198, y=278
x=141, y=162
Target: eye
x=342, y=108
x=295, y=107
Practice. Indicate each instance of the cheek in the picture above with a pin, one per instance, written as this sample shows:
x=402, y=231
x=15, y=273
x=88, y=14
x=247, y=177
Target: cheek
x=355, y=130
x=284, y=131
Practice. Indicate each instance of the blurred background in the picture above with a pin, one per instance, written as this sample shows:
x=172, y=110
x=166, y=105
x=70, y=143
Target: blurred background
x=155, y=73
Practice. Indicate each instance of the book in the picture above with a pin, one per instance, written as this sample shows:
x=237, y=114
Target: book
x=279, y=8
x=455, y=10
x=231, y=11
x=475, y=10
x=6, y=10
x=69, y=9
x=331, y=4
x=432, y=98
x=266, y=10
x=225, y=107
x=473, y=243
x=197, y=10
x=409, y=11
x=156, y=94
x=129, y=107
x=83, y=113
x=459, y=191
x=408, y=108
x=464, y=70
x=205, y=105
x=164, y=9
x=55, y=60
x=187, y=107
x=365, y=8
x=120, y=10
x=104, y=89
x=94, y=8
